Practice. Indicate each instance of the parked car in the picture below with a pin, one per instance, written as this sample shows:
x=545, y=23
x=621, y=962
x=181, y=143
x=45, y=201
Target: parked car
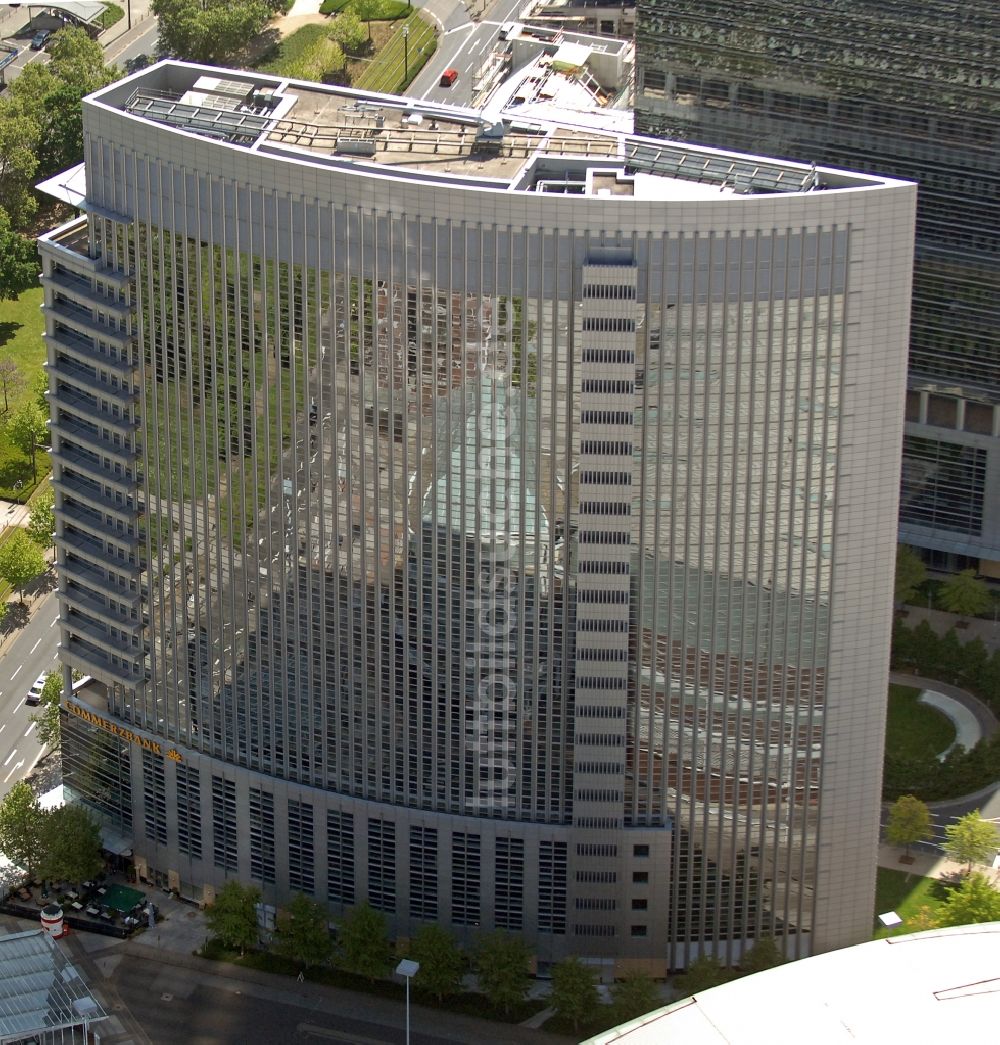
x=448, y=77
x=40, y=39
x=34, y=697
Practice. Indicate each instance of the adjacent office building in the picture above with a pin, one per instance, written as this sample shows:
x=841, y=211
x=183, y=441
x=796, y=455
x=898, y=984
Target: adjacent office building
x=903, y=87
x=490, y=520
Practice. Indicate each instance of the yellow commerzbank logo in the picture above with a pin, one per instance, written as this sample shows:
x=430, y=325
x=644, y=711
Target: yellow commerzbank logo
x=121, y=731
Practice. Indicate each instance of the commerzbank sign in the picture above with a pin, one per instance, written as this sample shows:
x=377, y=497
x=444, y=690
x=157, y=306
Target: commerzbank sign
x=121, y=731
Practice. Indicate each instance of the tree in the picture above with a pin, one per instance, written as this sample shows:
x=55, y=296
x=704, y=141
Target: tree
x=19, y=137
x=71, y=845
x=348, y=31
x=974, y=900
x=367, y=10
x=574, y=993
x=634, y=996
x=317, y=61
x=47, y=717
x=232, y=919
x=965, y=594
x=27, y=430
x=765, y=954
x=42, y=520
x=18, y=271
x=909, y=821
x=213, y=31
x=77, y=64
x=441, y=962
x=971, y=840
x=502, y=967
x=21, y=561
x=21, y=820
x=364, y=943
x=41, y=392
x=701, y=975
x=303, y=933
x=910, y=573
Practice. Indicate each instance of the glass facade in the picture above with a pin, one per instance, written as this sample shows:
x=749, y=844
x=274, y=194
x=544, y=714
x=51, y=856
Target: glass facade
x=483, y=570
x=903, y=87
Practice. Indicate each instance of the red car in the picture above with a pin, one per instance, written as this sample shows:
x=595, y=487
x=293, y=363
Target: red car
x=448, y=77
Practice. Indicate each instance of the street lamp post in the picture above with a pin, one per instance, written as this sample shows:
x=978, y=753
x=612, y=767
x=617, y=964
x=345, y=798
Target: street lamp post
x=407, y=968
x=406, y=77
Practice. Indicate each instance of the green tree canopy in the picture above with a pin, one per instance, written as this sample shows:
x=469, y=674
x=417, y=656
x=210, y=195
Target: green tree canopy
x=28, y=431
x=209, y=31
x=965, y=594
x=909, y=821
x=910, y=573
x=971, y=839
x=574, y=993
x=41, y=518
x=764, y=954
x=20, y=133
x=18, y=271
x=441, y=962
x=974, y=900
x=348, y=31
x=21, y=820
x=71, y=845
x=502, y=967
x=703, y=973
x=232, y=919
x=303, y=933
x=47, y=716
x=364, y=943
x=634, y=996
x=367, y=10
x=21, y=561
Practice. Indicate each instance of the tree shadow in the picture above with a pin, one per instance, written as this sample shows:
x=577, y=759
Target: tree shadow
x=16, y=617
x=8, y=330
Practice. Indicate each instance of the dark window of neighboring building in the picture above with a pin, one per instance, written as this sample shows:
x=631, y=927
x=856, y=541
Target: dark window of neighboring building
x=640, y=850
x=382, y=865
x=640, y=905
x=188, y=811
x=465, y=878
x=640, y=877
x=340, y=857
x=154, y=793
x=638, y=930
x=552, y=887
x=300, y=846
x=508, y=884
x=262, y=835
x=979, y=418
x=943, y=485
x=224, y=824
x=423, y=872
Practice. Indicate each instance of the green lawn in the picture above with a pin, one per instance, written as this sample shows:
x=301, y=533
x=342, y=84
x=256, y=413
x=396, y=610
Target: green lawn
x=905, y=894
x=914, y=730
x=396, y=64
x=21, y=329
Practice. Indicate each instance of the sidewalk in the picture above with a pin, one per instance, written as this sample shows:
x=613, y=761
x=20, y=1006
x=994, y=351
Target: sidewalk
x=927, y=865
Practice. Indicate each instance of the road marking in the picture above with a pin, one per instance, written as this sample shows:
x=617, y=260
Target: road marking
x=14, y=769
x=55, y=621
x=3, y=727
x=9, y=757
x=313, y=1031
x=16, y=670
x=29, y=729
x=33, y=648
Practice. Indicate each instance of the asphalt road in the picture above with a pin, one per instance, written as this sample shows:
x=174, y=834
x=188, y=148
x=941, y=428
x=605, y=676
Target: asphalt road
x=26, y=655
x=463, y=45
x=176, y=1004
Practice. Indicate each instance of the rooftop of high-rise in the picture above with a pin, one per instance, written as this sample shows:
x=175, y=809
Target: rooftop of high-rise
x=499, y=146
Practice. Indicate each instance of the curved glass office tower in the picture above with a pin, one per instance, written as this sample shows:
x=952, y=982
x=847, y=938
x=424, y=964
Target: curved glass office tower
x=492, y=522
